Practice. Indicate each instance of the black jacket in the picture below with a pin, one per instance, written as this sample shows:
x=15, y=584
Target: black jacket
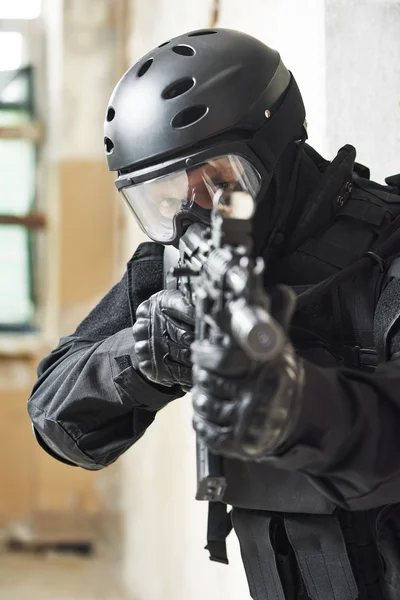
x=90, y=404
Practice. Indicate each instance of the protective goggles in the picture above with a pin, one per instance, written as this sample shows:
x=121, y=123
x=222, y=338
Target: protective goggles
x=159, y=203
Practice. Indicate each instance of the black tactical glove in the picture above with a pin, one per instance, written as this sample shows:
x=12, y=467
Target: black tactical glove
x=163, y=333
x=244, y=408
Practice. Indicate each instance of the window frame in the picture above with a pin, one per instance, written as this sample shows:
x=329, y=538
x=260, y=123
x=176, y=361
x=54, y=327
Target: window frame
x=33, y=131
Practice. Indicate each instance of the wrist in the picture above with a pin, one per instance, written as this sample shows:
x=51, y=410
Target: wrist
x=282, y=410
x=156, y=394
x=286, y=410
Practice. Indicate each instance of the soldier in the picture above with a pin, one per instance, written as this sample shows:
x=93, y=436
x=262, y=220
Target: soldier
x=317, y=515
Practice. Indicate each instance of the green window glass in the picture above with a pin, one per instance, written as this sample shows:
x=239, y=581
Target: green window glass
x=17, y=199
x=17, y=176
x=16, y=302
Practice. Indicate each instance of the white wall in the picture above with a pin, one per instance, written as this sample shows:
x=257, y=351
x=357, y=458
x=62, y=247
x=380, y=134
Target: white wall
x=363, y=83
x=297, y=30
x=345, y=57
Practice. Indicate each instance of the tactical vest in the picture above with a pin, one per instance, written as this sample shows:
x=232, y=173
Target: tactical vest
x=338, y=328
x=346, y=218
x=348, y=326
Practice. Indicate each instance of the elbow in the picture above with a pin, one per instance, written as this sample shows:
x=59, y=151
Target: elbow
x=54, y=440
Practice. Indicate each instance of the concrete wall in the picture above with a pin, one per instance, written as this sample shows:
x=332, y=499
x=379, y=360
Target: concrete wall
x=363, y=81
x=345, y=57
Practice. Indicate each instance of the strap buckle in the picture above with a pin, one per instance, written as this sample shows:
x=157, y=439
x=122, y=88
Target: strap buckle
x=360, y=358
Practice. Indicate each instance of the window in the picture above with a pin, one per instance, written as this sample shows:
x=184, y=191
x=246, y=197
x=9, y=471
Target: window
x=20, y=9
x=20, y=137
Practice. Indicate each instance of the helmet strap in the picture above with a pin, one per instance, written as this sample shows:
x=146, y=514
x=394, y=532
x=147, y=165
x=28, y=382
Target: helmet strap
x=269, y=144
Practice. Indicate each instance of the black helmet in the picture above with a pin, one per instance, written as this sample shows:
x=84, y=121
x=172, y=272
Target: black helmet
x=201, y=97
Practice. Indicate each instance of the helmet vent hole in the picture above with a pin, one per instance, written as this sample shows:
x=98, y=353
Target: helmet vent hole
x=202, y=32
x=189, y=116
x=184, y=50
x=145, y=67
x=163, y=44
x=178, y=88
x=109, y=145
x=110, y=114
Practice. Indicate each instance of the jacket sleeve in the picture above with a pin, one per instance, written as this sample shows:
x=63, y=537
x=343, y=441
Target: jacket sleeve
x=347, y=438
x=90, y=403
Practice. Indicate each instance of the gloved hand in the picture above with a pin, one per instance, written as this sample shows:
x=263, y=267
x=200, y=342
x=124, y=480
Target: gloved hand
x=163, y=333
x=244, y=408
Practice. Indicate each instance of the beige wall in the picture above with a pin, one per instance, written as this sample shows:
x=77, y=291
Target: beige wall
x=88, y=210
x=17, y=446
x=88, y=237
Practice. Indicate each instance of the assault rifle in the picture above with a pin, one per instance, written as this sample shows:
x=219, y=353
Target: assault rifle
x=217, y=273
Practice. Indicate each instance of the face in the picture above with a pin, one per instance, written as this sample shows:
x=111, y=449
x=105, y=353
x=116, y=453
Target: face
x=157, y=204
x=207, y=179
x=202, y=184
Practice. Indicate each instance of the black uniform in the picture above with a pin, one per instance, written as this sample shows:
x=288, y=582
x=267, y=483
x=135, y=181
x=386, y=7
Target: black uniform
x=322, y=519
